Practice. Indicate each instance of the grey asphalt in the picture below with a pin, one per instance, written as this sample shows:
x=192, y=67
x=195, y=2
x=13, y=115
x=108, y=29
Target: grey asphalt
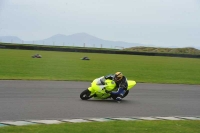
x=39, y=100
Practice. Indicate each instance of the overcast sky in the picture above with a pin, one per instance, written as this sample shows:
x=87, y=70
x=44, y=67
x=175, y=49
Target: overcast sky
x=158, y=22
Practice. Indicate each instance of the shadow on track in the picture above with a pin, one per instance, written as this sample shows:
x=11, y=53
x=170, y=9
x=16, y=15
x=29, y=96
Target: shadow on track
x=107, y=101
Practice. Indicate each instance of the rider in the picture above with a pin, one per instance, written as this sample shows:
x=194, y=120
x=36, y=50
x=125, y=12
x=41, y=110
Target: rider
x=121, y=83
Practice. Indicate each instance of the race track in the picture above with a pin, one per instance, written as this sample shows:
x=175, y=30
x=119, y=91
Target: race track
x=22, y=100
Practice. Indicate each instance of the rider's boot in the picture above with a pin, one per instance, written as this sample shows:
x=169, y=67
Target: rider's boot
x=119, y=98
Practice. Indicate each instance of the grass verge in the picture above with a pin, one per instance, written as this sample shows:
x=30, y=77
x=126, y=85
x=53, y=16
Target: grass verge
x=18, y=64
x=111, y=127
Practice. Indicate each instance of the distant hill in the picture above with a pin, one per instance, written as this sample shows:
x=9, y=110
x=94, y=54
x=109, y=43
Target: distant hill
x=83, y=39
x=187, y=50
x=79, y=39
x=10, y=39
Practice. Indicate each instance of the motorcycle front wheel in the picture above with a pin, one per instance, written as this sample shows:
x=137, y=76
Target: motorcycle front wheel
x=85, y=95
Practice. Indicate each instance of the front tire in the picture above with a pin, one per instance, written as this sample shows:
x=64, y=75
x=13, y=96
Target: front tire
x=85, y=95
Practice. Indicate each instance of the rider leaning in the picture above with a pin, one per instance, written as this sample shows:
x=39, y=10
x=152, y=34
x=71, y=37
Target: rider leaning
x=121, y=83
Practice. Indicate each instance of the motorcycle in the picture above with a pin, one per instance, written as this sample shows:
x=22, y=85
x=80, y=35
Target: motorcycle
x=100, y=91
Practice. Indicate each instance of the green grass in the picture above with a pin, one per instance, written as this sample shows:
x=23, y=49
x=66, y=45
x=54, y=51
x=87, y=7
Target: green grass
x=18, y=64
x=111, y=127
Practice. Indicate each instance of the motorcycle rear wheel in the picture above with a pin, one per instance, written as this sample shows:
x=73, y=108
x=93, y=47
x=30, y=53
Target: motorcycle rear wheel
x=85, y=95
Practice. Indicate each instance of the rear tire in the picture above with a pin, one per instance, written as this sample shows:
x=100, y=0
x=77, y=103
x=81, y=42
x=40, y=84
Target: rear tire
x=114, y=97
x=85, y=95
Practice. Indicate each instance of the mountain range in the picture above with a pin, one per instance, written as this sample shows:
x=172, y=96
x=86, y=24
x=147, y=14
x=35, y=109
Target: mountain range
x=79, y=39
